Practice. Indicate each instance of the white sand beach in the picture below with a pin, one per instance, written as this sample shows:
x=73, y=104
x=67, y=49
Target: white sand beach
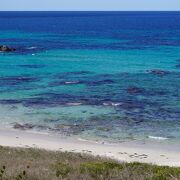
x=147, y=152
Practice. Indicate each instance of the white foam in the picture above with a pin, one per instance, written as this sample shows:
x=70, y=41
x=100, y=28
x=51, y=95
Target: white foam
x=74, y=104
x=112, y=104
x=158, y=138
x=33, y=47
x=71, y=82
x=105, y=104
x=116, y=104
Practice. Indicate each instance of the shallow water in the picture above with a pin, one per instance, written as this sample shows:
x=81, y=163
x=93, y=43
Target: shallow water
x=106, y=76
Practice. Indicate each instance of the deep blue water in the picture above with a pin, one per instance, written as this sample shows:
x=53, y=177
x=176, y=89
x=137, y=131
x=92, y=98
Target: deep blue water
x=99, y=75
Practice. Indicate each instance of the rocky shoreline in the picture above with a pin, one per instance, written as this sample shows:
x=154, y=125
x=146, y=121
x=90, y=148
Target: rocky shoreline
x=5, y=48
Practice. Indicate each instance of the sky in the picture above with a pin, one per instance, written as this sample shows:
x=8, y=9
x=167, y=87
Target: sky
x=85, y=5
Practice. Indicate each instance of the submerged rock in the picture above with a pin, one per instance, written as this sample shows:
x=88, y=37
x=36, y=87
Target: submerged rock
x=158, y=72
x=32, y=66
x=23, y=126
x=134, y=90
x=99, y=82
x=4, y=48
x=28, y=126
x=70, y=128
x=105, y=129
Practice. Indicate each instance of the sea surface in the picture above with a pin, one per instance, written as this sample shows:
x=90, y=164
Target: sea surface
x=110, y=76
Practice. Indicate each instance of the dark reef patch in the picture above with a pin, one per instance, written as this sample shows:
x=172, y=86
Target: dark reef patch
x=32, y=66
x=134, y=90
x=99, y=82
x=51, y=100
x=138, y=95
x=16, y=80
x=40, y=102
x=59, y=83
x=72, y=74
x=10, y=101
x=159, y=72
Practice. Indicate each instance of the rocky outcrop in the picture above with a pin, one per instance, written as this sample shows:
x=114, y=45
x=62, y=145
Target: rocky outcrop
x=4, y=48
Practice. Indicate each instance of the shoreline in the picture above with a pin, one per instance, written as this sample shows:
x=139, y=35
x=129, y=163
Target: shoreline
x=136, y=151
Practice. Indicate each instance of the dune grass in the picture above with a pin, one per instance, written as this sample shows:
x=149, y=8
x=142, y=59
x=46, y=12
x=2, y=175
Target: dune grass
x=34, y=164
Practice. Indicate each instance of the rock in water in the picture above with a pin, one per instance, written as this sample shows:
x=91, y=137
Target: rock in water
x=134, y=90
x=159, y=72
x=4, y=48
x=23, y=126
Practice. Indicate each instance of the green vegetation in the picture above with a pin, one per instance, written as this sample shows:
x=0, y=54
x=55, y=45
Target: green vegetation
x=33, y=164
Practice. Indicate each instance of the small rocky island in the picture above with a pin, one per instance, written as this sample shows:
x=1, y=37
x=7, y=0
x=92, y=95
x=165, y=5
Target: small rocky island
x=4, y=48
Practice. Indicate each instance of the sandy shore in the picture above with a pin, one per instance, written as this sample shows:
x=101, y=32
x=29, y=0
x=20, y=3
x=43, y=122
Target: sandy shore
x=149, y=152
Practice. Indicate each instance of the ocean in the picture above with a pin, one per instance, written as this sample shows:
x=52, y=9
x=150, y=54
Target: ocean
x=106, y=76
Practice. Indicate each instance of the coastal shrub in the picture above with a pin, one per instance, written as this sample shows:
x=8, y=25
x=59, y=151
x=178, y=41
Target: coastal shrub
x=2, y=172
x=96, y=169
x=35, y=164
x=165, y=173
x=21, y=176
x=62, y=170
x=141, y=168
x=157, y=172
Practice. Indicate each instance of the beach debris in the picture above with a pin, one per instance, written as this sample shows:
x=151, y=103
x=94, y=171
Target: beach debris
x=140, y=156
x=4, y=48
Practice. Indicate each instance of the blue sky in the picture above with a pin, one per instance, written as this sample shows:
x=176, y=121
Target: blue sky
x=89, y=5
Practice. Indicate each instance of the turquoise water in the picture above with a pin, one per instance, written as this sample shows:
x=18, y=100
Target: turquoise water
x=98, y=76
